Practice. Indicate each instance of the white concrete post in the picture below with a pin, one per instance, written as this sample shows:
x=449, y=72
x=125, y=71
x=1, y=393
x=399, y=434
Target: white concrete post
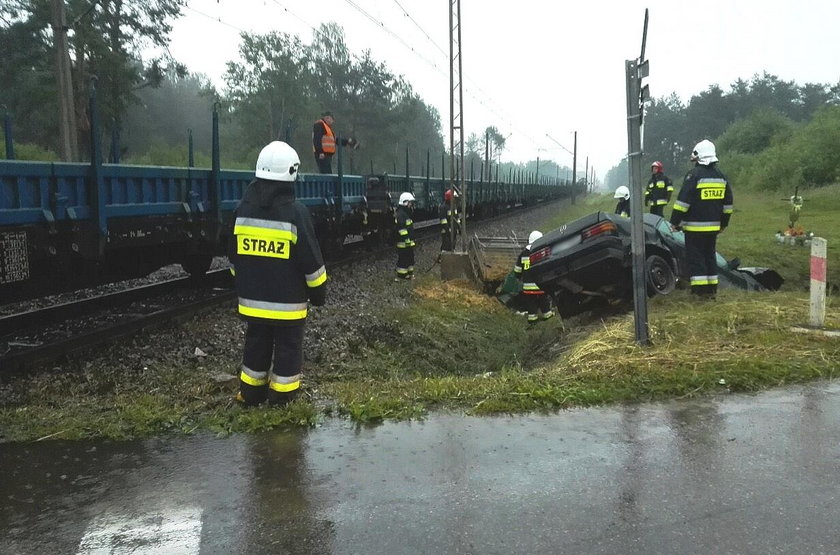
x=819, y=246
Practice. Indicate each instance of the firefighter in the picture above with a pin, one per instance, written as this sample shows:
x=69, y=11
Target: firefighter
x=623, y=207
x=659, y=189
x=324, y=142
x=279, y=270
x=405, y=237
x=533, y=299
x=449, y=213
x=702, y=209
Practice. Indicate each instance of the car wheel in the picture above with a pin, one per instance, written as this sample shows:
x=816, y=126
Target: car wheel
x=660, y=276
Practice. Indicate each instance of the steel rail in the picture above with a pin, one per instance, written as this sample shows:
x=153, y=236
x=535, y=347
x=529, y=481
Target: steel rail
x=91, y=338
x=51, y=314
x=84, y=340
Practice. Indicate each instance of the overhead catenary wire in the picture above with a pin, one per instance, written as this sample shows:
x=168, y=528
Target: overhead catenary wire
x=296, y=16
x=488, y=107
x=408, y=15
x=383, y=27
x=386, y=29
x=472, y=82
x=216, y=19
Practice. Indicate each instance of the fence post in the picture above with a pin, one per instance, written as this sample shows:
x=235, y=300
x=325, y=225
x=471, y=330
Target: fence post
x=97, y=186
x=190, y=151
x=7, y=131
x=819, y=247
x=215, y=190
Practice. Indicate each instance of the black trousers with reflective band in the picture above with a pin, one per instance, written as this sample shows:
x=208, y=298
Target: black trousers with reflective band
x=405, y=262
x=536, y=303
x=265, y=343
x=657, y=209
x=700, y=252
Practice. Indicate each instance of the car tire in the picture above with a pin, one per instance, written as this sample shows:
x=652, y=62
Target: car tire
x=660, y=276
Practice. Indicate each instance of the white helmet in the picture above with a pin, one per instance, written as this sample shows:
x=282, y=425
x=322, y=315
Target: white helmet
x=704, y=153
x=405, y=198
x=622, y=192
x=277, y=162
x=533, y=237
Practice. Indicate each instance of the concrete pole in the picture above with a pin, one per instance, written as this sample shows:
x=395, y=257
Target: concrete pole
x=68, y=145
x=586, y=176
x=574, y=169
x=819, y=247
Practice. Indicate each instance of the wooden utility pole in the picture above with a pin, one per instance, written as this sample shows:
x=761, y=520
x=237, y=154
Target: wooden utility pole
x=68, y=145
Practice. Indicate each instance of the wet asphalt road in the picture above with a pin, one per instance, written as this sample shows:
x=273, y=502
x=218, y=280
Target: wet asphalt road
x=729, y=474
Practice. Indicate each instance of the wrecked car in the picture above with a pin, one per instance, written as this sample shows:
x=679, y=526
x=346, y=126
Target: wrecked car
x=586, y=264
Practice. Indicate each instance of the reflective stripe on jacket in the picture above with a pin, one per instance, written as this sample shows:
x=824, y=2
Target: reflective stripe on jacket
x=278, y=262
x=705, y=201
x=445, y=215
x=523, y=270
x=659, y=190
x=405, y=228
x=327, y=145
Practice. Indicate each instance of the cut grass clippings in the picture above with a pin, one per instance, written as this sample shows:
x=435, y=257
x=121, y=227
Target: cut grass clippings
x=739, y=343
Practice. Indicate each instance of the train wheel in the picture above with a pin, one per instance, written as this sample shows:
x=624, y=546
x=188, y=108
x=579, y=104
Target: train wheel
x=196, y=265
x=333, y=246
x=374, y=239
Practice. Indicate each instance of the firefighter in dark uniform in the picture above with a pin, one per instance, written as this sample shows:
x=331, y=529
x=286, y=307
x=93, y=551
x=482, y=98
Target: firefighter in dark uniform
x=324, y=142
x=279, y=270
x=659, y=189
x=702, y=209
x=533, y=299
x=622, y=193
x=405, y=237
x=449, y=216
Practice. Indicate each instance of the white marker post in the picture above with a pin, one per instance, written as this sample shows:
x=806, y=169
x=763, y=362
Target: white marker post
x=819, y=246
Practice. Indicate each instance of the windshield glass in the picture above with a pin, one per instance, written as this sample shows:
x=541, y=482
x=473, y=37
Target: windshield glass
x=664, y=228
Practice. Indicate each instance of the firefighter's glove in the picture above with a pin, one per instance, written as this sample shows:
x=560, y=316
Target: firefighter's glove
x=317, y=297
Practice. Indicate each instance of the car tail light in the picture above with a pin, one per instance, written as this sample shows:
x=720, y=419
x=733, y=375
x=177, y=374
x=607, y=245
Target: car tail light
x=598, y=229
x=536, y=256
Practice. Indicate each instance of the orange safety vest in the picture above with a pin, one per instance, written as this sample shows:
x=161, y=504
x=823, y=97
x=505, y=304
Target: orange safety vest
x=328, y=139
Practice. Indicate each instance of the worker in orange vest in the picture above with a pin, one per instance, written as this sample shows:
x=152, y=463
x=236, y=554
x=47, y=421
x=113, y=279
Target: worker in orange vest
x=324, y=142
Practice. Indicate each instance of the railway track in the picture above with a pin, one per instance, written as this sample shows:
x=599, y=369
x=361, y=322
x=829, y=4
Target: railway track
x=49, y=333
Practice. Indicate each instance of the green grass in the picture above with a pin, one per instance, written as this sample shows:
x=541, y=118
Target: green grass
x=454, y=348
x=751, y=234
x=743, y=339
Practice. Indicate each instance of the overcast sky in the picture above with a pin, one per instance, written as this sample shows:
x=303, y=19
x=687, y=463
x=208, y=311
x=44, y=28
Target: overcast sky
x=537, y=67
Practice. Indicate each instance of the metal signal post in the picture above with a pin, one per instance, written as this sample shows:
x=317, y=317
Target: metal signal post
x=635, y=71
x=456, y=126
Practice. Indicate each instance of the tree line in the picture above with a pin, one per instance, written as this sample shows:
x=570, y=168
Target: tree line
x=275, y=88
x=769, y=133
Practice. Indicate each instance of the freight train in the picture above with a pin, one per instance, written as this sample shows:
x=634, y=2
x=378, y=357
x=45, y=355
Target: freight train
x=65, y=226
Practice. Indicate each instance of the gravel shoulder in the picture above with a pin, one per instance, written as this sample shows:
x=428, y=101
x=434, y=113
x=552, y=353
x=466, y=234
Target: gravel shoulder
x=199, y=359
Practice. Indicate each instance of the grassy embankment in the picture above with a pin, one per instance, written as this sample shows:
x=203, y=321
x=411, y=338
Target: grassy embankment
x=741, y=342
x=456, y=348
